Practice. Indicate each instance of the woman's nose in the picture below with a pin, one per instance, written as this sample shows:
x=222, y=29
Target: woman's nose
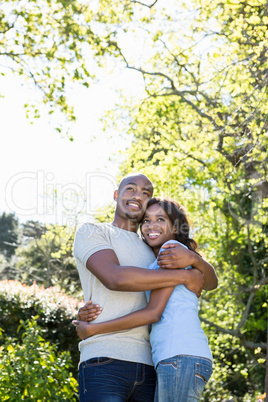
x=152, y=224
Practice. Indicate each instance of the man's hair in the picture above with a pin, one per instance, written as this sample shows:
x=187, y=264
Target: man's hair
x=121, y=184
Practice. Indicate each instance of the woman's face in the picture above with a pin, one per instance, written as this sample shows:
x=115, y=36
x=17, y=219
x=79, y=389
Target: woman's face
x=157, y=227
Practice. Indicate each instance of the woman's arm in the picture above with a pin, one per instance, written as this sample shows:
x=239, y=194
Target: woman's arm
x=148, y=315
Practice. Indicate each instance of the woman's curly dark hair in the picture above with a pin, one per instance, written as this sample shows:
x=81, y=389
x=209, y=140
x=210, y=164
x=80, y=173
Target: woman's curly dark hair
x=179, y=219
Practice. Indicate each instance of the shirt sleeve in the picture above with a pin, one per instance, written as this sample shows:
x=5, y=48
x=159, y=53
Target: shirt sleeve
x=90, y=238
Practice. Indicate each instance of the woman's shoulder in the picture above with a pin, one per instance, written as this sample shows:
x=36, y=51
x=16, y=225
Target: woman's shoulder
x=173, y=242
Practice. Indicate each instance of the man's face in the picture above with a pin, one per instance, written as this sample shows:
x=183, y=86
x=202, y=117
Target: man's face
x=132, y=197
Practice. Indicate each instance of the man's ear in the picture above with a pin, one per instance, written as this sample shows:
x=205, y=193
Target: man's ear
x=115, y=195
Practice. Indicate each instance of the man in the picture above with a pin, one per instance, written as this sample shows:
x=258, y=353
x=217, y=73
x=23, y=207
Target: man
x=118, y=366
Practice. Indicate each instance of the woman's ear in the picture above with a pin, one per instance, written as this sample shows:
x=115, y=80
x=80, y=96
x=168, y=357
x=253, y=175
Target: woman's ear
x=175, y=230
x=115, y=195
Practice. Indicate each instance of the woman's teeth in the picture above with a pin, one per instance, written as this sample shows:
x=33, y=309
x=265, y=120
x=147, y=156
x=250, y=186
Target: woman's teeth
x=153, y=235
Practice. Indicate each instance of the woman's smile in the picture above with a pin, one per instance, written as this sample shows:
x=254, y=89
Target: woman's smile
x=157, y=227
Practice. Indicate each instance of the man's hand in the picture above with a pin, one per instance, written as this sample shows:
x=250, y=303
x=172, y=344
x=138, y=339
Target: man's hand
x=82, y=329
x=195, y=281
x=175, y=256
x=89, y=312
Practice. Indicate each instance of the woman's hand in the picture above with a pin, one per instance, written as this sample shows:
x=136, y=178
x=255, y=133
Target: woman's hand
x=83, y=329
x=89, y=312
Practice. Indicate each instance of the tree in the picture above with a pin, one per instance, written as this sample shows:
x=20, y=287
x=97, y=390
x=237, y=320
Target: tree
x=32, y=230
x=200, y=131
x=201, y=135
x=52, y=44
x=48, y=260
x=9, y=234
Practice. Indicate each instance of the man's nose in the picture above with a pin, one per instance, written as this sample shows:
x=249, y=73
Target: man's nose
x=137, y=195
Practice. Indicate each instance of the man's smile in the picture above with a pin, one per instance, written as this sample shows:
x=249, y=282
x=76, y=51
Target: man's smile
x=134, y=204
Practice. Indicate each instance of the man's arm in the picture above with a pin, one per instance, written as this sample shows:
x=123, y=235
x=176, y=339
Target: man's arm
x=177, y=256
x=105, y=266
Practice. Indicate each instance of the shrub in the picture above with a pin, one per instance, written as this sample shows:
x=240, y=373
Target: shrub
x=34, y=370
x=54, y=309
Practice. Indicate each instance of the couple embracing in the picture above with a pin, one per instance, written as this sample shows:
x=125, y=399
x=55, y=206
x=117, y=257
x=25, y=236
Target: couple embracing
x=132, y=282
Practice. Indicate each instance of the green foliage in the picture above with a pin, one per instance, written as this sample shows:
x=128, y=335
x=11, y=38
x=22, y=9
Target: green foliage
x=32, y=230
x=54, y=310
x=9, y=234
x=105, y=215
x=53, y=44
x=32, y=369
x=200, y=134
x=42, y=253
x=48, y=259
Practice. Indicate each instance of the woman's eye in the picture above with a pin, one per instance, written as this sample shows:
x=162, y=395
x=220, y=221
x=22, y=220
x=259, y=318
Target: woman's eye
x=145, y=221
x=161, y=219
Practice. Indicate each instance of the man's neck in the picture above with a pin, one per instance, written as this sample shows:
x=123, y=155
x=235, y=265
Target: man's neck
x=126, y=224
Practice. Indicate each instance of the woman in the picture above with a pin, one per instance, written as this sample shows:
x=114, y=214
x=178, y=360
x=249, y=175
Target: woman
x=180, y=350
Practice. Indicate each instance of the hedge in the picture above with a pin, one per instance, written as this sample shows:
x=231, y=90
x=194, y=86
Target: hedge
x=33, y=370
x=54, y=311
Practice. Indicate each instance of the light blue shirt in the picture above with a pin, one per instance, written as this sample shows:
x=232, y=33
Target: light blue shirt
x=179, y=330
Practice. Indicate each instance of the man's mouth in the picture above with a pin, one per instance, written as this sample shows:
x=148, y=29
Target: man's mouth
x=153, y=235
x=134, y=204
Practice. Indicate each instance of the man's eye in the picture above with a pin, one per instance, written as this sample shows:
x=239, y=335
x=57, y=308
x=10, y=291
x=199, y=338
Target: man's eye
x=146, y=193
x=129, y=188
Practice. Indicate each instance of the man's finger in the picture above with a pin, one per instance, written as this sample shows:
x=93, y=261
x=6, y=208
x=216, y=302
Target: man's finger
x=164, y=261
x=169, y=246
x=165, y=252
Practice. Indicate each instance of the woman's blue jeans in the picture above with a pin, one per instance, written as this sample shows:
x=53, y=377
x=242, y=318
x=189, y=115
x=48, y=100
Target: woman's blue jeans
x=182, y=378
x=103, y=379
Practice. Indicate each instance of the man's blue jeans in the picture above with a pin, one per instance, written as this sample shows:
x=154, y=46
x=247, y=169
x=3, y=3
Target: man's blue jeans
x=102, y=379
x=182, y=378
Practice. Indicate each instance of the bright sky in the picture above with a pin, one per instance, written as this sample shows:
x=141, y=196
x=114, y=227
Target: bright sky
x=36, y=161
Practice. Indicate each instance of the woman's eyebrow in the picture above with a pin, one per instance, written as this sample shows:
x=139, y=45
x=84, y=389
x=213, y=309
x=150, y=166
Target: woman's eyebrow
x=158, y=216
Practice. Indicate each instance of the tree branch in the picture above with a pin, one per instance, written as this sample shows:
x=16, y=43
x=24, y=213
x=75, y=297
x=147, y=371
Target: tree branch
x=174, y=90
x=247, y=344
x=142, y=4
x=257, y=287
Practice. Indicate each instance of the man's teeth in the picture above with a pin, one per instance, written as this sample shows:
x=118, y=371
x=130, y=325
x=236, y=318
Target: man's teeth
x=133, y=204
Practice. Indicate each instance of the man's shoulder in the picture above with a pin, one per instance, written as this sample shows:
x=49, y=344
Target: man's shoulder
x=90, y=237
x=86, y=227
